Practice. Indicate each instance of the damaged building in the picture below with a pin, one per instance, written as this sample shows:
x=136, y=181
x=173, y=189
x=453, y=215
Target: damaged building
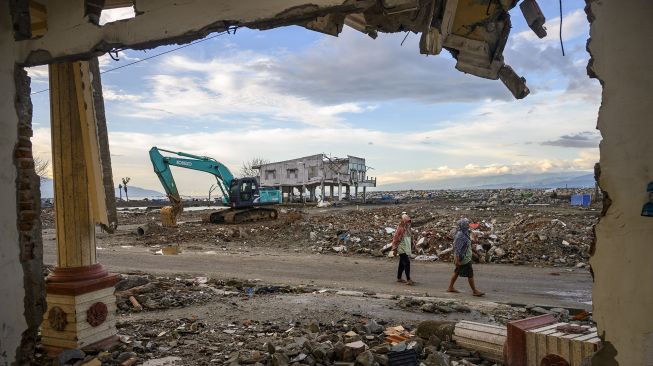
x=331, y=175
x=66, y=35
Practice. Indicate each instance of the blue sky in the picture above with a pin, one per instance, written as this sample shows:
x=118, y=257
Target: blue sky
x=290, y=92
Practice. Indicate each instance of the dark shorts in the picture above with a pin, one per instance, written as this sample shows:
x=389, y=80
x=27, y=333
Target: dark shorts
x=465, y=270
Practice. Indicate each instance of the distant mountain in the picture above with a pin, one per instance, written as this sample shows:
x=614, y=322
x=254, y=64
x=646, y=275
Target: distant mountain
x=138, y=192
x=47, y=191
x=543, y=180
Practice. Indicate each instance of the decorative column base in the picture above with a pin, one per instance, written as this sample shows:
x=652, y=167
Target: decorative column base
x=81, y=309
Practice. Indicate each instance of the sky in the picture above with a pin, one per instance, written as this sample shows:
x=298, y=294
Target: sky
x=290, y=92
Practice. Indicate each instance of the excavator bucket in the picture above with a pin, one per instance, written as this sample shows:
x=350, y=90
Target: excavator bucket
x=168, y=216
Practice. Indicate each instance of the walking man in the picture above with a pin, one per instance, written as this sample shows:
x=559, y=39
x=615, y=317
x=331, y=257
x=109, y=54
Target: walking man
x=402, y=244
x=463, y=258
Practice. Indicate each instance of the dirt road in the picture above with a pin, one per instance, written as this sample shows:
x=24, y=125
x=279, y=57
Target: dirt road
x=502, y=283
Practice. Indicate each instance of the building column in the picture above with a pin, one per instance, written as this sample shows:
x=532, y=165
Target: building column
x=364, y=195
x=322, y=190
x=80, y=291
x=339, y=189
x=356, y=191
x=331, y=188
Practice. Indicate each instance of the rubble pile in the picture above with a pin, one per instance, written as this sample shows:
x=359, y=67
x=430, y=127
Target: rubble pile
x=352, y=341
x=136, y=293
x=514, y=227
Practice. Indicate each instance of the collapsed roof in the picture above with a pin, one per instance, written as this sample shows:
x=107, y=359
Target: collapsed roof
x=475, y=32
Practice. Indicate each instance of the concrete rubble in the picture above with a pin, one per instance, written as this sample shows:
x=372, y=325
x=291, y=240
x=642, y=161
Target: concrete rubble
x=350, y=339
x=527, y=227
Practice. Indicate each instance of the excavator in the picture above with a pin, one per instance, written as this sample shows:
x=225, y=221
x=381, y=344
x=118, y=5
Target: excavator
x=243, y=196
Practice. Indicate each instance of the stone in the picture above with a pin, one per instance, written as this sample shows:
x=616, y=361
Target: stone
x=461, y=308
x=372, y=327
x=271, y=348
x=428, y=307
x=444, y=309
x=322, y=353
x=339, y=350
x=299, y=358
x=434, y=341
x=437, y=359
x=365, y=359
x=539, y=310
x=313, y=326
x=70, y=356
x=381, y=359
x=441, y=328
x=279, y=359
x=125, y=356
x=165, y=361
x=93, y=362
x=459, y=352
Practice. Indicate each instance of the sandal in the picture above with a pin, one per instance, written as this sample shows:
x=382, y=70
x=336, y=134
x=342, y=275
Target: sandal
x=400, y=280
x=410, y=283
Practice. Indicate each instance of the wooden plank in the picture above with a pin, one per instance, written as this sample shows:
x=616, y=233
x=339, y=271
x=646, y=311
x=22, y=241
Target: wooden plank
x=531, y=348
x=541, y=348
x=480, y=336
x=564, y=347
x=486, y=328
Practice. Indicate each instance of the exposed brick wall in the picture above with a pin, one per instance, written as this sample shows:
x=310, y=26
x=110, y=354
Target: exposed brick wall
x=29, y=221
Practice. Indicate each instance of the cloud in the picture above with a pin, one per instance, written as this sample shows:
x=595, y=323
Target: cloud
x=583, y=139
x=583, y=162
x=38, y=74
x=118, y=95
x=574, y=25
x=468, y=145
x=353, y=67
x=223, y=87
x=541, y=60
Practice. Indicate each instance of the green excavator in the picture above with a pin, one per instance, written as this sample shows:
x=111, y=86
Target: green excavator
x=243, y=196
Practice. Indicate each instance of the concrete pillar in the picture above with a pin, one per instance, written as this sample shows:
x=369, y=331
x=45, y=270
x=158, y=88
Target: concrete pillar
x=364, y=195
x=322, y=192
x=356, y=191
x=331, y=188
x=80, y=298
x=339, y=189
x=622, y=256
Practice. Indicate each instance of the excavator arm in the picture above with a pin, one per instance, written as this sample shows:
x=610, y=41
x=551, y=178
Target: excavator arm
x=205, y=164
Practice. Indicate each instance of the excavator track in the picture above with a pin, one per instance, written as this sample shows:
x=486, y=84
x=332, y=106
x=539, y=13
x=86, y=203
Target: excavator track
x=242, y=215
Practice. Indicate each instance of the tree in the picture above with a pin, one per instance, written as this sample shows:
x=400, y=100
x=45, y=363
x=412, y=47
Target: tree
x=247, y=170
x=124, y=186
x=211, y=189
x=41, y=167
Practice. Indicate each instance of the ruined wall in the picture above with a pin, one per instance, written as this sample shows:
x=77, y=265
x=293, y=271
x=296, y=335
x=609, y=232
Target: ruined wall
x=21, y=250
x=622, y=262
x=12, y=321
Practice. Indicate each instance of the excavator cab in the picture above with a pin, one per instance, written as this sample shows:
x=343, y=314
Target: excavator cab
x=244, y=192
